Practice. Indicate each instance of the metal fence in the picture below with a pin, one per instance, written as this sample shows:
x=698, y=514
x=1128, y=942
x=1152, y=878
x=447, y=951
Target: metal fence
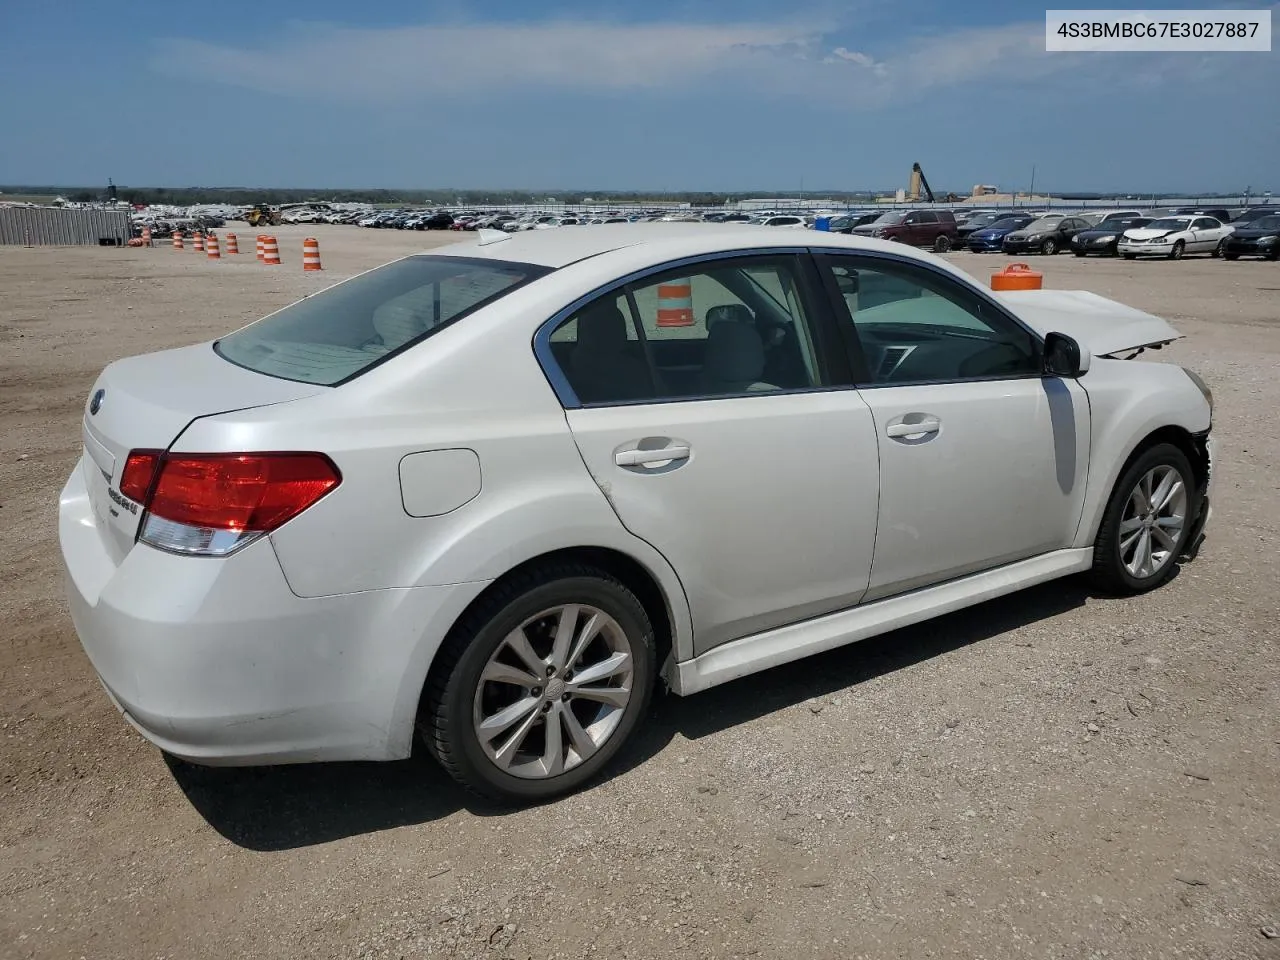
x=53, y=226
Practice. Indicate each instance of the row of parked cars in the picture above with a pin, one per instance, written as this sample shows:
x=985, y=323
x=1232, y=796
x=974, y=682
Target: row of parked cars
x=1127, y=233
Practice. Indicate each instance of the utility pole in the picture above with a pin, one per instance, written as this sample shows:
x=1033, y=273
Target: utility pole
x=1031, y=194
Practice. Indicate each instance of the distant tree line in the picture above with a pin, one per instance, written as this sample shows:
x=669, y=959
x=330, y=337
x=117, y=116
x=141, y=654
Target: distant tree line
x=239, y=196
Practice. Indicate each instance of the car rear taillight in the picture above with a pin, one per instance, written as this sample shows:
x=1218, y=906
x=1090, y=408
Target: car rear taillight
x=213, y=503
x=139, y=471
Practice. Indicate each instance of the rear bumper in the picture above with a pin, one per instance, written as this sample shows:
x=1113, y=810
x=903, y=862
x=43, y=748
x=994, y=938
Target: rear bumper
x=217, y=662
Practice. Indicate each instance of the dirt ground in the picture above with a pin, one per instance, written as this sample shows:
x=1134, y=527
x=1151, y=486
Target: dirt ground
x=1051, y=775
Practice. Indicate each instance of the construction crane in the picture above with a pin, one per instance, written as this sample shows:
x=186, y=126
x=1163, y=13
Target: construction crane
x=919, y=188
x=918, y=183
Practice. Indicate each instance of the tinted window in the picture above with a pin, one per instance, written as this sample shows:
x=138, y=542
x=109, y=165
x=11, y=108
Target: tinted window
x=927, y=217
x=336, y=334
x=1266, y=223
x=725, y=328
x=916, y=326
x=1204, y=223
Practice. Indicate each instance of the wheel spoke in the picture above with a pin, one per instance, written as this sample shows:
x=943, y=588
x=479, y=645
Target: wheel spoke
x=1136, y=504
x=498, y=672
x=613, y=696
x=609, y=667
x=518, y=642
x=564, y=635
x=1130, y=525
x=583, y=745
x=1173, y=522
x=507, y=752
x=1143, y=557
x=1170, y=487
x=491, y=726
x=587, y=634
x=1166, y=541
x=553, y=753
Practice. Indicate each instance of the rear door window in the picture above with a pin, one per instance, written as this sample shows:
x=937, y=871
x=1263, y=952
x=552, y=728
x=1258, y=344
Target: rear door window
x=341, y=332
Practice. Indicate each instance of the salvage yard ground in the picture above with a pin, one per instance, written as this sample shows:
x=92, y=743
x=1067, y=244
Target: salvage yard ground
x=1052, y=775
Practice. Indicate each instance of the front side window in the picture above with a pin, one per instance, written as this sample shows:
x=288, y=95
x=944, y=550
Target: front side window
x=723, y=328
x=339, y=333
x=915, y=326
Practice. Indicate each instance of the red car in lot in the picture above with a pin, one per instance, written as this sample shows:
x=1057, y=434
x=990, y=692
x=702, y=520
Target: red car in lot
x=920, y=228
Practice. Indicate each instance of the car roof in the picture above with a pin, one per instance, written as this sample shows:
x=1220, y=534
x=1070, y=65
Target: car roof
x=563, y=246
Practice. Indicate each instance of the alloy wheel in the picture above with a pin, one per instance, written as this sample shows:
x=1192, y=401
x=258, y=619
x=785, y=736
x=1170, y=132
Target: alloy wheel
x=554, y=691
x=1152, y=522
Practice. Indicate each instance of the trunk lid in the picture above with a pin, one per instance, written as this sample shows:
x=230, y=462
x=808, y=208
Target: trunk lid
x=1104, y=326
x=145, y=402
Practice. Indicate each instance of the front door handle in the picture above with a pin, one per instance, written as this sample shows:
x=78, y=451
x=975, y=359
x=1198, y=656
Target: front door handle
x=641, y=458
x=925, y=425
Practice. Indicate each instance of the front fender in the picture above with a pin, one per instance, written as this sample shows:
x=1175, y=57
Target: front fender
x=1128, y=402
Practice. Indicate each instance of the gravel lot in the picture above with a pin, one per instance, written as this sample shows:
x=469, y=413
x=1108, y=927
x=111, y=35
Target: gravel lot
x=1052, y=775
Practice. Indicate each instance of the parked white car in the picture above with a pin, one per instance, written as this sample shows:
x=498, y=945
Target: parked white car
x=1173, y=237
x=491, y=495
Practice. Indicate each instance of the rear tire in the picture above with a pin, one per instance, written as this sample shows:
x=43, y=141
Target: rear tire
x=1078, y=253
x=1131, y=256
x=1221, y=248
x=479, y=678
x=1132, y=523
x=942, y=244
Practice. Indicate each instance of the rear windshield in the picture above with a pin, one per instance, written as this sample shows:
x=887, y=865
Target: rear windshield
x=339, y=333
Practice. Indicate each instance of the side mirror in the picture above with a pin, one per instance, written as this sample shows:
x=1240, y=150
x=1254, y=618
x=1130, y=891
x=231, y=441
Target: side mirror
x=1064, y=357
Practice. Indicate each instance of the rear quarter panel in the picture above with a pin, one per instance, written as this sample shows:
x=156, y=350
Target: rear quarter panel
x=1128, y=401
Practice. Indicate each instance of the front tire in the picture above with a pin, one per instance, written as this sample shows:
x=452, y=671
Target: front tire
x=1049, y=247
x=1144, y=530
x=540, y=684
x=1221, y=248
x=1131, y=256
x=1178, y=249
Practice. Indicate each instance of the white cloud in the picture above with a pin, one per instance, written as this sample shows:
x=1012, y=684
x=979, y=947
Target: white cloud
x=789, y=58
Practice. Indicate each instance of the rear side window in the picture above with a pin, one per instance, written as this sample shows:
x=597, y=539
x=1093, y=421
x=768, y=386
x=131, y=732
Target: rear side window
x=340, y=333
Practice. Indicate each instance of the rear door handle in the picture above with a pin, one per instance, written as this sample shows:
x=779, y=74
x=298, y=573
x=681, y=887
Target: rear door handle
x=640, y=458
x=900, y=429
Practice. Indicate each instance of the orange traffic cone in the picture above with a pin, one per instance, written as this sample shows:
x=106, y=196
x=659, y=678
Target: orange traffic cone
x=261, y=237
x=199, y=242
x=146, y=236
x=177, y=239
x=233, y=245
x=270, y=251
x=211, y=245
x=311, y=254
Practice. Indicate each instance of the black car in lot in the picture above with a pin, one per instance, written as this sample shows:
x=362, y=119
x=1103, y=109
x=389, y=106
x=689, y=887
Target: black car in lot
x=1257, y=238
x=1048, y=235
x=847, y=223
x=1103, y=238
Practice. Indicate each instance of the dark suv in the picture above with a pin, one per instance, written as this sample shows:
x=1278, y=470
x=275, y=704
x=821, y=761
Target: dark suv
x=920, y=228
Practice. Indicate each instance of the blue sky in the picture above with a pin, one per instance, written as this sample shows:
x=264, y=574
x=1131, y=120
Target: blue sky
x=692, y=95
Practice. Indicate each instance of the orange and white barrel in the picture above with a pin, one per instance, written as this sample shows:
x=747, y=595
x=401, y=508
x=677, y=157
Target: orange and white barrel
x=261, y=237
x=199, y=242
x=270, y=251
x=233, y=245
x=146, y=236
x=311, y=254
x=211, y=245
x=675, y=304
x=177, y=239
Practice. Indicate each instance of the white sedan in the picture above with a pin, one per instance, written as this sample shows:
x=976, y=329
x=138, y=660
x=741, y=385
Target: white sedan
x=487, y=498
x=1173, y=237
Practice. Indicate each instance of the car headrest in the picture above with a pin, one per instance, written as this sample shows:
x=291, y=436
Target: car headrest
x=735, y=353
